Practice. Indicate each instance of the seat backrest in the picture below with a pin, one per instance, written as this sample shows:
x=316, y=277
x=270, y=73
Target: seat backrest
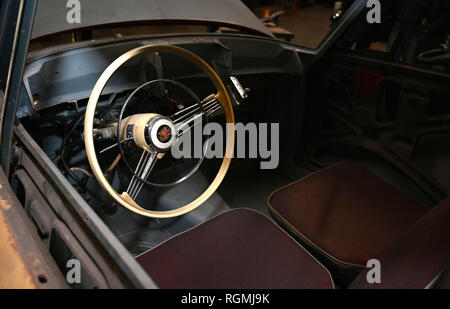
x=417, y=258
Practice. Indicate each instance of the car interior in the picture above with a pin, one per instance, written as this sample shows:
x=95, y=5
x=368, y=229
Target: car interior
x=363, y=171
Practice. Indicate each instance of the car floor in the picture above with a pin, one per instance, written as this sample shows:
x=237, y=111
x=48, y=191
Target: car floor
x=248, y=186
x=139, y=234
x=245, y=186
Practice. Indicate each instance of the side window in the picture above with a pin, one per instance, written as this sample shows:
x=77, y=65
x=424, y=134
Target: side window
x=304, y=22
x=415, y=33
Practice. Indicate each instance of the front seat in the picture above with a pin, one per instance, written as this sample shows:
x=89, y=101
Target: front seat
x=418, y=258
x=347, y=216
x=244, y=249
x=239, y=249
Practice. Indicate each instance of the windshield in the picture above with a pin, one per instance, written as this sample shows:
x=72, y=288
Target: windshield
x=73, y=20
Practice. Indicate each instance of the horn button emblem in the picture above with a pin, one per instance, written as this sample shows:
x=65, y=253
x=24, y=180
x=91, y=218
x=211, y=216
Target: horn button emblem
x=160, y=134
x=164, y=133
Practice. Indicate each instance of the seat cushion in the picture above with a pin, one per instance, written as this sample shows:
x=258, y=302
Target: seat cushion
x=239, y=249
x=415, y=260
x=345, y=213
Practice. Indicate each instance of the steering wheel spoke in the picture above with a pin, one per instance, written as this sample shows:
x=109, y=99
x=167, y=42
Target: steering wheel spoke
x=143, y=169
x=188, y=117
x=208, y=105
x=183, y=127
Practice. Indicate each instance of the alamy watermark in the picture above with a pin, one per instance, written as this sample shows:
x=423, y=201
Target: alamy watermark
x=374, y=274
x=374, y=14
x=73, y=15
x=252, y=141
x=73, y=275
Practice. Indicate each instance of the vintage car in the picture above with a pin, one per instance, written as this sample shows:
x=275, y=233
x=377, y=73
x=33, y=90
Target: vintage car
x=96, y=95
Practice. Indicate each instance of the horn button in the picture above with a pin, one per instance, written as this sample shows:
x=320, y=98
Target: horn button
x=160, y=133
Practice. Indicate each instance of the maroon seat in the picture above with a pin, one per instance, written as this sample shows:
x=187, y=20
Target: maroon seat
x=237, y=249
x=415, y=260
x=345, y=214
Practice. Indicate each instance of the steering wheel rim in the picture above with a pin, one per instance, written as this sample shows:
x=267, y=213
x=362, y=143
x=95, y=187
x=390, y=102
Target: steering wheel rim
x=222, y=97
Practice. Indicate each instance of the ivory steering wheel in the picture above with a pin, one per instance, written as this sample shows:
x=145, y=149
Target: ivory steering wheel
x=146, y=129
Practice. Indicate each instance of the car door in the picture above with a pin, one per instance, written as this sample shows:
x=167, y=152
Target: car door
x=24, y=261
x=46, y=229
